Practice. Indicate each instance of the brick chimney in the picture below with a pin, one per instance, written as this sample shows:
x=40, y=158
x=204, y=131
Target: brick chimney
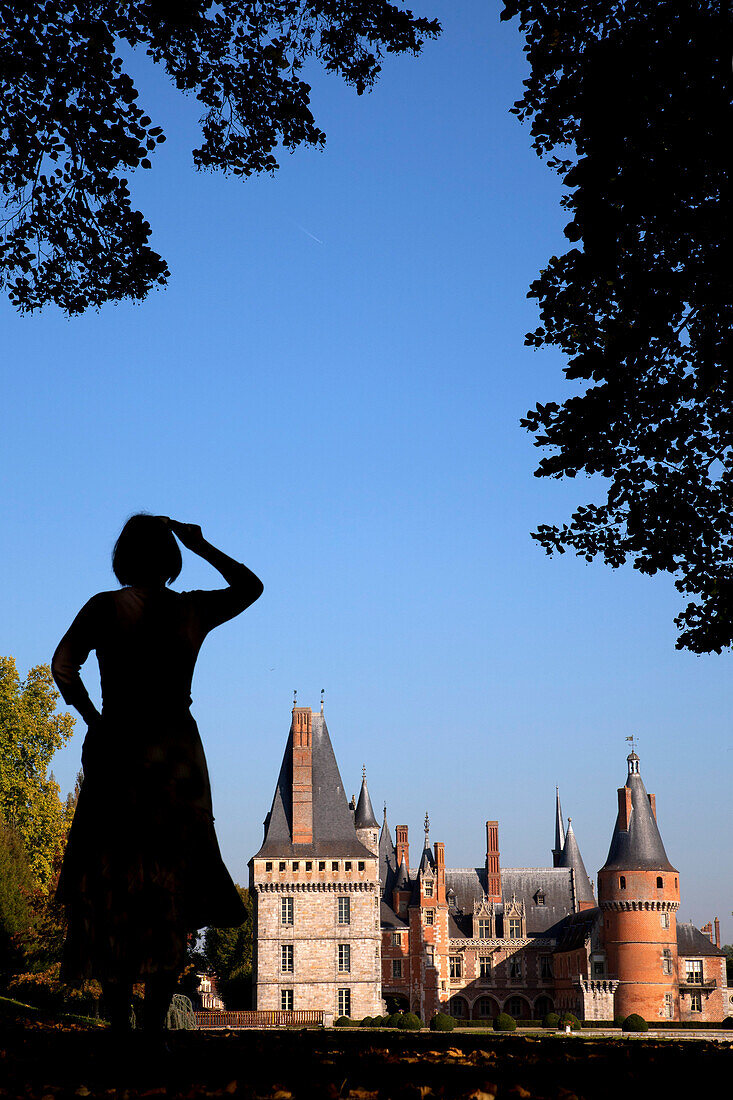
x=493, y=869
x=440, y=871
x=302, y=733
x=624, y=808
x=653, y=804
x=402, y=847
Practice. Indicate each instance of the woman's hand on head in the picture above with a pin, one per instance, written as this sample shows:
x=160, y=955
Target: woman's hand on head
x=188, y=533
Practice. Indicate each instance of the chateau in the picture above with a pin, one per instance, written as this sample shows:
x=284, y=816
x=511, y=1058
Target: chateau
x=344, y=924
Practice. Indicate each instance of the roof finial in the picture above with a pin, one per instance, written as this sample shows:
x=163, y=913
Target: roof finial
x=322, y=692
x=363, y=772
x=427, y=830
x=295, y=698
x=633, y=759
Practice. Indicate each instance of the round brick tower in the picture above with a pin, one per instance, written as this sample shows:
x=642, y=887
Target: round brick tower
x=638, y=893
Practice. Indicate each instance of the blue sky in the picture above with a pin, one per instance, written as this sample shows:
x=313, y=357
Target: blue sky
x=331, y=385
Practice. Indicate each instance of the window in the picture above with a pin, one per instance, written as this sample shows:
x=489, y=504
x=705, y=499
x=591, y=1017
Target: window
x=430, y=916
x=296, y=865
x=484, y=966
x=335, y=865
x=622, y=882
x=344, y=958
x=268, y=866
x=430, y=954
x=396, y=939
x=598, y=969
x=515, y=1007
x=396, y=968
x=428, y=889
x=545, y=968
x=456, y=966
x=321, y=865
x=668, y=1006
x=347, y=865
x=281, y=865
x=693, y=971
x=484, y=929
x=539, y=898
x=484, y=1006
x=660, y=882
x=515, y=969
x=695, y=1001
x=458, y=1007
x=664, y=920
x=286, y=1000
x=360, y=865
x=344, y=911
x=286, y=958
x=515, y=928
x=286, y=910
x=666, y=961
x=309, y=865
x=343, y=1002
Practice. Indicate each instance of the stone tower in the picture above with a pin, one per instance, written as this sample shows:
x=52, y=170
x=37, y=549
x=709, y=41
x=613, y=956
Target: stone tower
x=315, y=888
x=638, y=894
x=365, y=823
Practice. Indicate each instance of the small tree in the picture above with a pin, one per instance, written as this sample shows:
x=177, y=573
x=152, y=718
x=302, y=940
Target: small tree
x=30, y=733
x=227, y=952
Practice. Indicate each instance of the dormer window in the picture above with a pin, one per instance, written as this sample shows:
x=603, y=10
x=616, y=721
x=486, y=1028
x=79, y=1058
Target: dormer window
x=539, y=897
x=428, y=889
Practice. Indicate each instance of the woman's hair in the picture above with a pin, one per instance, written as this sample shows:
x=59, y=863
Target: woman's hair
x=146, y=552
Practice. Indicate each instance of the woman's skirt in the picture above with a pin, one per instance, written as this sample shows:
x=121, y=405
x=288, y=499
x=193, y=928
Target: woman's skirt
x=142, y=867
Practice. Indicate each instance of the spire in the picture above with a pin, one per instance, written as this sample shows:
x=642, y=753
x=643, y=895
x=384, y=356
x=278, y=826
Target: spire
x=387, y=859
x=636, y=843
x=571, y=857
x=559, y=831
x=427, y=856
x=364, y=817
x=402, y=882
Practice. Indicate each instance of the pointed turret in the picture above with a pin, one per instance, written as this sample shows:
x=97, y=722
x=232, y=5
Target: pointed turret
x=638, y=892
x=571, y=857
x=559, y=831
x=364, y=817
x=387, y=859
x=636, y=843
x=365, y=823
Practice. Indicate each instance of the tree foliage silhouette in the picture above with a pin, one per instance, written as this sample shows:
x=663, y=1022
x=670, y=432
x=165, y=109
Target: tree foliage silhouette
x=630, y=104
x=71, y=127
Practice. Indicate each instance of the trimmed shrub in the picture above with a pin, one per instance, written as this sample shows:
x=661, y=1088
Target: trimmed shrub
x=442, y=1022
x=410, y=1022
x=504, y=1022
x=393, y=1020
x=551, y=1020
x=344, y=1021
x=635, y=1022
x=568, y=1020
x=368, y=1021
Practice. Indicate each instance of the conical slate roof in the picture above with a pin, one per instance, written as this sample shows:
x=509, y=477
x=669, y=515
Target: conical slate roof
x=364, y=817
x=640, y=847
x=571, y=857
x=387, y=859
x=333, y=823
x=402, y=882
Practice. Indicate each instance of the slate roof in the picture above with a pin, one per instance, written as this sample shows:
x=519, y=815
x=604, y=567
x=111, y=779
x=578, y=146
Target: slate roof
x=577, y=929
x=470, y=884
x=333, y=822
x=691, y=941
x=571, y=857
x=640, y=847
x=364, y=817
x=389, y=918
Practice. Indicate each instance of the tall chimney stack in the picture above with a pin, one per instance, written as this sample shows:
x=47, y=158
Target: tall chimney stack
x=493, y=869
x=302, y=733
x=402, y=847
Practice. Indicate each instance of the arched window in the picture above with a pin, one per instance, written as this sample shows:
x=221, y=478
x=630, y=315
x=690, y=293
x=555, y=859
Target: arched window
x=660, y=882
x=458, y=1008
x=485, y=1007
x=622, y=882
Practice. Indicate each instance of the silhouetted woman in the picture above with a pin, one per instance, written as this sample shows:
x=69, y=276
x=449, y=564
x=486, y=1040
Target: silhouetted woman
x=142, y=866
